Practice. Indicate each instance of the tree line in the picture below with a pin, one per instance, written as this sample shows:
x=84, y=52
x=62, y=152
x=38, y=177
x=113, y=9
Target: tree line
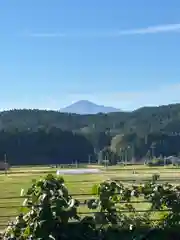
x=52, y=146
x=51, y=137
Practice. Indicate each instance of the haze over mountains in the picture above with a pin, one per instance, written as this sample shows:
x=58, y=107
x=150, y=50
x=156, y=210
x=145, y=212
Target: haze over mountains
x=87, y=107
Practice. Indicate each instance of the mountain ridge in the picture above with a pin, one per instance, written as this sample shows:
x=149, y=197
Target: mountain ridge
x=87, y=107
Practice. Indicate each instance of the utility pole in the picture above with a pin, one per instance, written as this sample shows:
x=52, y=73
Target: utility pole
x=5, y=163
x=148, y=157
x=164, y=161
x=146, y=139
x=126, y=156
x=106, y=161
x=133, y=158
x=89, y=159
x=120, y=155
x=123, y=156
x=153, y=147
x=127, y=151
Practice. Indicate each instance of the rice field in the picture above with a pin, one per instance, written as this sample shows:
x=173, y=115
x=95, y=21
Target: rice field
x=77, y=181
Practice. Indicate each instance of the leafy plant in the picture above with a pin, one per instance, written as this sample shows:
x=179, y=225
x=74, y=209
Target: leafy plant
x=48, y=210
x=113, y=201
x=47, y=207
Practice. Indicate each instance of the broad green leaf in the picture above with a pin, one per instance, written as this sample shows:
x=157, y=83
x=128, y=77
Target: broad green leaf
x=95, y=189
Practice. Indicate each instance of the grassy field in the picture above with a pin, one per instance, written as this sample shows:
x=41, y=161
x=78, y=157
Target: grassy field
x=10, y=185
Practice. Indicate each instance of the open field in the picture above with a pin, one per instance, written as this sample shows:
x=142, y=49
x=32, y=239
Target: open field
x=18, y=178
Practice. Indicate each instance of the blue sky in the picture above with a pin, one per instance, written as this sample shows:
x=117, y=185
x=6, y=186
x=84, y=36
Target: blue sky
x=124, y=54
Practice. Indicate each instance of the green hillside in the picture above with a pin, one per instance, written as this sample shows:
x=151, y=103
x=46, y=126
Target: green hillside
x=39, y=136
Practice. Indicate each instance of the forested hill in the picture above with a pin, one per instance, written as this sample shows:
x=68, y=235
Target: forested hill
x=141, y=121
x=48, y=136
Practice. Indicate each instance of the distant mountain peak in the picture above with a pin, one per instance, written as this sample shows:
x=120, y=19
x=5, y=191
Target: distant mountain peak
x=87, y=107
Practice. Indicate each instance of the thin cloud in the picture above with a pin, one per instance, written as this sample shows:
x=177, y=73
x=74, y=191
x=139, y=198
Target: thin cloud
x=154, y=29
x=139, y=31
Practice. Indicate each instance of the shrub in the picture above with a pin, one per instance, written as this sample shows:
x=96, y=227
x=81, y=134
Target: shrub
x=156, y=162
x=48, y=210
x=47, y=207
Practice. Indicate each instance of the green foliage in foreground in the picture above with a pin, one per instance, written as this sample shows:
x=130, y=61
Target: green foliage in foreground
x=49, y=210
